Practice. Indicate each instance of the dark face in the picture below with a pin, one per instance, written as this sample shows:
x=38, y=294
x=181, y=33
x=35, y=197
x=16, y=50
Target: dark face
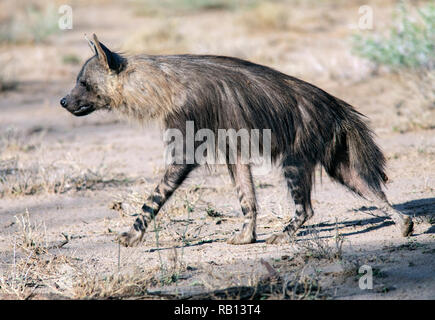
x=94, y=82
x=88, y=93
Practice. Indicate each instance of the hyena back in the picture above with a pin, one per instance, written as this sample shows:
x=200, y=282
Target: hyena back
x=309, y=127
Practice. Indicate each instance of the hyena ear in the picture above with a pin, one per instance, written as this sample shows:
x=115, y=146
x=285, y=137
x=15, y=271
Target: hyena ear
x=91, y=44
x=110, y=60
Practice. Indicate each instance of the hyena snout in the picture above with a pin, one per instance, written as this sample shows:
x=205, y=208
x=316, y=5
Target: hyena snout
x=77, y=108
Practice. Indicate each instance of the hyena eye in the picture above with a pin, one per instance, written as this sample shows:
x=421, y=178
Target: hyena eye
x=84, y=84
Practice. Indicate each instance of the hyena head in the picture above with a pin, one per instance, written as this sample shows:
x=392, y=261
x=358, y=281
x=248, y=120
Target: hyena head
x=96, y=83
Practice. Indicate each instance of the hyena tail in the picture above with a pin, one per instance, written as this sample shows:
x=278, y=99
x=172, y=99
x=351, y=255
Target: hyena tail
x=353, y=158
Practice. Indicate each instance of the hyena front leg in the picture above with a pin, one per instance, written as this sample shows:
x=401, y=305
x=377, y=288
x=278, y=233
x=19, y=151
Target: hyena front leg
x=299, y=181
x=242, y=178
x=173, y=177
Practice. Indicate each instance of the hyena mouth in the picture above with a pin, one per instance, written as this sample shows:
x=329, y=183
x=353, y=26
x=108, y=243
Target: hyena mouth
x=83, y=110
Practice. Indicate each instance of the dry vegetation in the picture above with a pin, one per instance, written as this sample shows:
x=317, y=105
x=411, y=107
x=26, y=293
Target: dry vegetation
x=39, y=264
x=266, y=17
x=7, y=79
x=28, y=21
x=24, y=171
x=416, y=110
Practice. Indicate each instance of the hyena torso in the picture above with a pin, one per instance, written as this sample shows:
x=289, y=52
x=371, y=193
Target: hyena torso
x=308, y=126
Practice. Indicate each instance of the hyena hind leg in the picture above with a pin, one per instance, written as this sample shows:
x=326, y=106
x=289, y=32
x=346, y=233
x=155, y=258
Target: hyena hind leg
x=403, y=223
x=174, y=175
x=241, y=177
x=344, y=175
x=298, y=176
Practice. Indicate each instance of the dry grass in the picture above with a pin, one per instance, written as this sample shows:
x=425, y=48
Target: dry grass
x=175, y=233
x=158, y=38
x=56, y=274
x=416, y=105
x=115, y=286
x=187, y=7
x=267, y=16
x=270, y=280
x=13, y=141
x=28, y=21
x=318, y=248
x=24, y=171
x=36, y=265
x=30, y=239
x=56, y=178
x=32, y=265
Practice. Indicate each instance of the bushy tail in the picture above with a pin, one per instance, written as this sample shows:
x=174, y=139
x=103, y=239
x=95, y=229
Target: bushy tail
x=353, y=158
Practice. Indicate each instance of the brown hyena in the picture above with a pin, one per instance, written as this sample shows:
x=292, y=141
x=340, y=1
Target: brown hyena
x=309, y=127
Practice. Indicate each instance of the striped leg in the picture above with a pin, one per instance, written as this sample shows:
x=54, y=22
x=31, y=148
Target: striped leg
x=242, y=178
x=403, y=223
x=344, y=175
x=173, y=177
x=299, y=181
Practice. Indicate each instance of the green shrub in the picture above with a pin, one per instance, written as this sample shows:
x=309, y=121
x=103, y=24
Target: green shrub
x=409, y=44
x=30, y=24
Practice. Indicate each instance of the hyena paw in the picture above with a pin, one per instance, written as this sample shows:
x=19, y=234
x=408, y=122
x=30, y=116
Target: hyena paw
x=242, y=238
x=135, y=235
x=130, y=238
x=281, y=238
x=406, y=227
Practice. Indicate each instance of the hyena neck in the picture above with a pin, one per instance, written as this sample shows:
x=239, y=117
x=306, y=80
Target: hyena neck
x=147, y=90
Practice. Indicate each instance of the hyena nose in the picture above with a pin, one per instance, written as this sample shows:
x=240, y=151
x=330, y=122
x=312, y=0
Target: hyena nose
x=63, y=102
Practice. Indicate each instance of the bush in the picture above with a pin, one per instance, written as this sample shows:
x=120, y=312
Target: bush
x=410, y=43
x=30, y=24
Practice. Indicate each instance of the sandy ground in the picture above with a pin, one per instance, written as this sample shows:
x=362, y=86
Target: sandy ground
x=114, y=163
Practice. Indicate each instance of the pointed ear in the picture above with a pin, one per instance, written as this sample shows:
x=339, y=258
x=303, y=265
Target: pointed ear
x=101, y=54
x=91, y=44
x=108, y=59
